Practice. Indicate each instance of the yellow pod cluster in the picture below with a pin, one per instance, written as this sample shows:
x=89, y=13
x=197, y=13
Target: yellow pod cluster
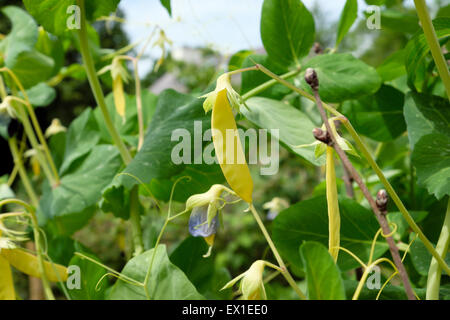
x=228, y=148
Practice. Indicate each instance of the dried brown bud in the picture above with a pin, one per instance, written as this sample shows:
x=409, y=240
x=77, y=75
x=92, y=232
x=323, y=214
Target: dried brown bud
x=322, y=135
x=311, y=78
x=317, y=48
x=382, y=200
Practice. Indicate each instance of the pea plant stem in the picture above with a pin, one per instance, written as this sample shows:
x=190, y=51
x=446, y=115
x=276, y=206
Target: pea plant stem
x=22, y=172
x=268, y=84
x=284, y=270
x=357, y=178
x=432, y=40
x=35, y=144
x=37, y=240
x=435, y=271
x=135, y=219
x=100, y=99
x=365, y=151
x=96, y=87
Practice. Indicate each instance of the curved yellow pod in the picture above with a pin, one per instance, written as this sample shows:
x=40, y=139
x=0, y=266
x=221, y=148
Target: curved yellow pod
x=28, y=264
x=334, y=219
x=7, y=291
x=229, y=148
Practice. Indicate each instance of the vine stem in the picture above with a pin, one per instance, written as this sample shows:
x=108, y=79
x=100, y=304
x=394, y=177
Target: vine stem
x=100, y=99
x=313, y=81
x=284, y=271
x=96, y=87
x=37, y=240
x=365, y=151
x=435, y=271
x=268, y=84
x=433, y=42
x=22, y=172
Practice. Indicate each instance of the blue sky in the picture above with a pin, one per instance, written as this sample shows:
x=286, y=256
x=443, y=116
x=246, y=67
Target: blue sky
x=225, y=25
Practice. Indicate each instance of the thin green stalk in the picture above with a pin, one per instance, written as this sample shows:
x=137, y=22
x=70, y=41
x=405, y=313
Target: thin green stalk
x=372, y=163
x=268, y=84
x=100, y=99
x=96, y=87
x=135, y=219
x=35, y=144
x=435, y=271
x=284, y=270
x=22, y=172
x=37, y=240
x=433, y=42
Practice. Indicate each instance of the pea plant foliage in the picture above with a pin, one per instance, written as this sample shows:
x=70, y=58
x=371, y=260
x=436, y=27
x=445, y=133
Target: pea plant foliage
x=373, y=139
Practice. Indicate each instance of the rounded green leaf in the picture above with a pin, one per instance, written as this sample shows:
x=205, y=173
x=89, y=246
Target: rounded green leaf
x=295, y=128
x=323, y=277
x=166, y=281
x=380, y=116
x=342, y=77
x=348, y=17
x=287, y=31
x=431, y=157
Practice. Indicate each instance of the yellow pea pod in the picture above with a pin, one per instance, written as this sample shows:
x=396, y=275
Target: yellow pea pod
x=119, y=96
x=7, y=291
x=229, y=148
x=334, y=219
x=28, y=264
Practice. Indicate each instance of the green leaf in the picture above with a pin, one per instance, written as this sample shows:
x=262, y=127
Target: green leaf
x=348, y=17
x=380, y=116
x=41, y=95
x=23, y=35
x=98, y=8
x=308, y=221
x=53, y=15
x=166, y=281
x=31, y=67
x=322, y=275
x=375, y=2
x=342, y=77
x=51, y=46
x=166, y=4
x=295, y=128
x=68, y=206
x=431, y=157
x=287, y=31
x=252, y=79
x=399, y=21
x=154, y=160
x=237, y=60
x=417, y=48
x=81, y=137
x=426, y=114
x=393, y=67
x=91, y=273
x=420, y=256
x=188, y=256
